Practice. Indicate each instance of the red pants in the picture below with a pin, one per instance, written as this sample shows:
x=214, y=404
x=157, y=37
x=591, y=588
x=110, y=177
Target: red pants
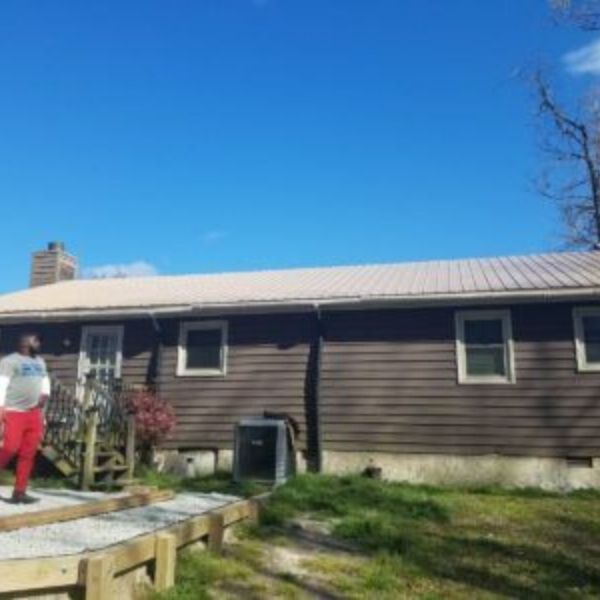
x=23, y=432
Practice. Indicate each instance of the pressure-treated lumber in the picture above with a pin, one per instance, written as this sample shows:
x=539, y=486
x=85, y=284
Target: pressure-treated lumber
x=235, y=512
x=100, y=578
x=89, y=459
x=97, y=571
x=216, y=529
x=253, y=511
x=39, y=573
x=130, y=447
x=80, y=511
x=166, y=557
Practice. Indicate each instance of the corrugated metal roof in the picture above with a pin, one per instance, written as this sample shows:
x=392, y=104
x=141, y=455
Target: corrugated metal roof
x=569, y=273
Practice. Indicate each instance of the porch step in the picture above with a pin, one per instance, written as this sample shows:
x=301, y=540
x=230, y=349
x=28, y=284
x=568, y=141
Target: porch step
x=79, y=445
x=59, y=461
x=107, y=454
x=110, y=468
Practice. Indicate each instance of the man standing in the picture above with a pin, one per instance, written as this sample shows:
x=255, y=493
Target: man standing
x=24, y=390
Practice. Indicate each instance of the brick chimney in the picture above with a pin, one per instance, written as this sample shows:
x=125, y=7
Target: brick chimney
x=52, y=265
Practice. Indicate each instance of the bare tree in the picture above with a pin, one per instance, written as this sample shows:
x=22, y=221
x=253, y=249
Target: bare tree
x=584, y=13
x=570, y=143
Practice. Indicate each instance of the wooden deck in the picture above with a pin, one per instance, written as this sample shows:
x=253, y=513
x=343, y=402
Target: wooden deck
x=99, y=573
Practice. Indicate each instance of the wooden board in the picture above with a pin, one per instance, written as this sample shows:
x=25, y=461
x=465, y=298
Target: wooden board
x=96, y=571
x=88, y=509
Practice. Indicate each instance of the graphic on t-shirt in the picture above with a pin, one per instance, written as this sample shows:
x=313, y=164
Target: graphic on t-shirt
x=32, y=369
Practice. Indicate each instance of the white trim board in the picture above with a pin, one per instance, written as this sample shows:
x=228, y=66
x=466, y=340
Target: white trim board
x=184, y=329
x=461, y=358
x=579, y=312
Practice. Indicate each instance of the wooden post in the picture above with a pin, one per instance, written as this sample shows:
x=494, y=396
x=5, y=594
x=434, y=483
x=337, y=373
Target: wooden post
x=216, y=527
x=99, y=579
x=253, y=511
x=87, y=391
x=166, y=557
x=130, y=447
x=89, y=458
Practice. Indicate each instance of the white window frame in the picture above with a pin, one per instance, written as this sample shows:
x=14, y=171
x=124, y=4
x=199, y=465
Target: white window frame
x=461, y=356
x=184, y=329
x=579, y=312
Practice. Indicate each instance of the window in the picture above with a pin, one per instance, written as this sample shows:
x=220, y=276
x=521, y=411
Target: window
x=484, y=347
x=586, y=322
x=202, y=349
x=100, y=353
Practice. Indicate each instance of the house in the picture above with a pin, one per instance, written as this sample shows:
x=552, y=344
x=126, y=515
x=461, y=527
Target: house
x=482, y=370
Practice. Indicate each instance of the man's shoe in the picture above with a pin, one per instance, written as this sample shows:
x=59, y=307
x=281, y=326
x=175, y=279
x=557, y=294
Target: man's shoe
x=22, y=498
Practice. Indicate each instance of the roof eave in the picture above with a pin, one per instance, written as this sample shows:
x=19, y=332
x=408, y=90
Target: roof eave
x=343, y=303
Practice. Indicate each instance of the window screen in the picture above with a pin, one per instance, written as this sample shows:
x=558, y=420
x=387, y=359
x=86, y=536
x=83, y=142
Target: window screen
x=204, y=349
x=484, y=348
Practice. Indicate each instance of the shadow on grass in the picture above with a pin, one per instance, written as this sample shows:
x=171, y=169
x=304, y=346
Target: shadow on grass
x=333, y=497
x=536, y=552
x=516, y=570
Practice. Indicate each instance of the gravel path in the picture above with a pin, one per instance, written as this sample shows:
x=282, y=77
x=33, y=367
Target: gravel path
x=93, y=533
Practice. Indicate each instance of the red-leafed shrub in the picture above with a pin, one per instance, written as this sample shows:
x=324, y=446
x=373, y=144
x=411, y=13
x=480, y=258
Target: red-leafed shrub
x=154, y=420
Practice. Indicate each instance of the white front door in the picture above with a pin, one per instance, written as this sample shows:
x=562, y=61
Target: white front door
x=101, y=353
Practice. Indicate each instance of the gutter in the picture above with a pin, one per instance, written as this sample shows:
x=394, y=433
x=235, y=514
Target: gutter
x=343, y=303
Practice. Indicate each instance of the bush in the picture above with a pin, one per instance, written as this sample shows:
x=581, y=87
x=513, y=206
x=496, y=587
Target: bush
x=154, y=419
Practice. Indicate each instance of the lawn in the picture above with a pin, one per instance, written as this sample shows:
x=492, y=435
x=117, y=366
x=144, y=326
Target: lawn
x=351, y=537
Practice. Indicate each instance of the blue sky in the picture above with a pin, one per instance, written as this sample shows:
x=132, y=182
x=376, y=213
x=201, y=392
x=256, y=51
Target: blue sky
x=212, y=135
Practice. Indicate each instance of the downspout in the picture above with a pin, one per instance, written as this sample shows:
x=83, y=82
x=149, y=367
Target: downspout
x=318, y=345
x=158, y=343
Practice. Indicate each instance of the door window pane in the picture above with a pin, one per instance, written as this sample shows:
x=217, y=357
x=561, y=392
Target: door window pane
x=102, y=355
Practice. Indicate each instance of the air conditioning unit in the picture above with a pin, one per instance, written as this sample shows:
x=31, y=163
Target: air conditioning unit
x=263, y=451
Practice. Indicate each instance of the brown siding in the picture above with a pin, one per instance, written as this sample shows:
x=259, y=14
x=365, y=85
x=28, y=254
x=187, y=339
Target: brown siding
x=62, y=359
x=267, y=363
x=389, y=383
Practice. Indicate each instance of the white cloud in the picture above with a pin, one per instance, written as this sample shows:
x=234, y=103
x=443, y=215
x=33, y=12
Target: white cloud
x=212, y=237
x=585, y=60
x=138, y=268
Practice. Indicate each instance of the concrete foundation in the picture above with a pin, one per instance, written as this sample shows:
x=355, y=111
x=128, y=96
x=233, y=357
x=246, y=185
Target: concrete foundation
x=198, y=463
x=546, y=473
x=436, y=469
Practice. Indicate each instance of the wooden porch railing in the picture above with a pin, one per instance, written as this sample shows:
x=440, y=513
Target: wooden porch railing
x=91, y=439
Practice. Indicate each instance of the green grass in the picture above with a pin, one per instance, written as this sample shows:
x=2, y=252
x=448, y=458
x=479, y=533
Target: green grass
x=197, y=571
x=220, y=482
x=420, y=542
x=409, y=542
x=201, y=576
x=516, y=543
